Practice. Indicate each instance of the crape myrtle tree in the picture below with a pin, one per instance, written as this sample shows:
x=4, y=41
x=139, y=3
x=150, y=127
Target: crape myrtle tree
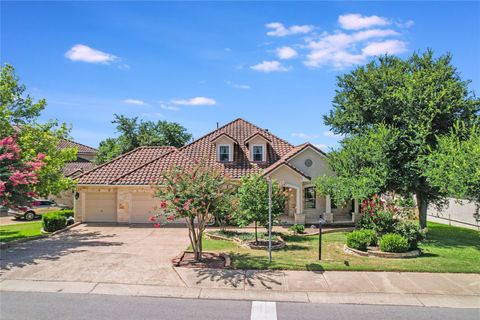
x=454, y=166
x=18, y=119
x=418, y=100
x=135, y=133
x=195, y=194
x=17, y=175
x=253, y=201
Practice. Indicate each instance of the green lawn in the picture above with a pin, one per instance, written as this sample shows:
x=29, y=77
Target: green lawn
x=447, y=249
x=20, y=230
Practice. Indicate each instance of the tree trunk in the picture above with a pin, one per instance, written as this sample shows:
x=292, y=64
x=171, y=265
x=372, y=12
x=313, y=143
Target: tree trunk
x=256, y=236
x=422, y=210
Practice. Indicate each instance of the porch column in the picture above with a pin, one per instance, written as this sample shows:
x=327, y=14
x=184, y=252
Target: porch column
x=82, y=204
x=356, y=210
x=299, y=216
x=328, y=209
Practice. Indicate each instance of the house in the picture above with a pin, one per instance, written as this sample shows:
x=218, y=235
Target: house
x=121, y=190
x=73, y=169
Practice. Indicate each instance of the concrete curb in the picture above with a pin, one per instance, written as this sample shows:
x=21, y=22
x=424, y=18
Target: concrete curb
x=407, y=299
x=5, y=245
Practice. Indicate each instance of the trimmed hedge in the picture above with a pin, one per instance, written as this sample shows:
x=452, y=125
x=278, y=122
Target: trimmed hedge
x=359, y=239
x=392, y=242
x=54, y=221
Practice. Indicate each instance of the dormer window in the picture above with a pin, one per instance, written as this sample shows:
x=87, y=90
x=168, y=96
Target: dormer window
x=224, y=153
x=257, y=153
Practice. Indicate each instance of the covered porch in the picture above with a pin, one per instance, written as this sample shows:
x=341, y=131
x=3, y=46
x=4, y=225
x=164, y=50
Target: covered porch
x=305, y=206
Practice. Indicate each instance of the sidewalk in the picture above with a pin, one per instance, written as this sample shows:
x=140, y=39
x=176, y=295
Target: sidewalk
x=391, y=288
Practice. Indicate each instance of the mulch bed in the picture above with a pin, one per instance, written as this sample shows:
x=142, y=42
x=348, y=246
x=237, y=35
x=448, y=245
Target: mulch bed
x=209, y=260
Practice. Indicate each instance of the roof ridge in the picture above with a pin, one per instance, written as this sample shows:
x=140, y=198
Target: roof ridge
x=84, y=145
x=172, y=149
x=210, y=133
x=112, y=160
x=265, y=131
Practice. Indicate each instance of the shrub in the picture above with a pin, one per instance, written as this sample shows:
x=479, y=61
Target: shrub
x=372, y=236
x=359, y=239
x=365, y=221
x=392, y=242
x=411, y=231
x=384, y=222
x=66, y=213
x=53, y=221
x=297, y=228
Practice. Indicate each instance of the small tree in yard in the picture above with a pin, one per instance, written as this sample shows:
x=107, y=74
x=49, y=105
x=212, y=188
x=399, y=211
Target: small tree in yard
x=253, y=201
x=192, y=193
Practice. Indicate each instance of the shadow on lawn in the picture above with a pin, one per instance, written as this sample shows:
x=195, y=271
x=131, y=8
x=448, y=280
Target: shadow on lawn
x=52, y=248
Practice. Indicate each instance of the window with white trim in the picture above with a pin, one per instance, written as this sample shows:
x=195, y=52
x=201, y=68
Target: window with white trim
x=257, y=153
x=224, y=153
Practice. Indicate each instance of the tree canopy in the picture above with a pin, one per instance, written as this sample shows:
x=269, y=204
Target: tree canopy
x=135, y=133
x=19, y=113
x=418, y=100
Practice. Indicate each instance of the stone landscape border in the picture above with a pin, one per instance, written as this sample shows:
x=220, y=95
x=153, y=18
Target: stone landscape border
x=382, y=254
x=276, y=245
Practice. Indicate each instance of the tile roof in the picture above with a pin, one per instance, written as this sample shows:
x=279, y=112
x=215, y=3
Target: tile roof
x=144, y=165
x=77, y=167
x=241, y=130
x=64, y=143
x=118, y=167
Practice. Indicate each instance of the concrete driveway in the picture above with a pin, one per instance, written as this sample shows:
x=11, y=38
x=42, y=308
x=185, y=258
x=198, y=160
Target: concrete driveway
x=99, y=253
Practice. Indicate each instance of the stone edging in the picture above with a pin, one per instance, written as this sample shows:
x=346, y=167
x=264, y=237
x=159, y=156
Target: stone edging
x=280, y=243
x=306, y=234
x=176, y=261
x=44, y=234
x=381, y=254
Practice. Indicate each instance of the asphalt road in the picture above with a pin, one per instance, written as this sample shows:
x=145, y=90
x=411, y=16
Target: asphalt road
x=30, y=305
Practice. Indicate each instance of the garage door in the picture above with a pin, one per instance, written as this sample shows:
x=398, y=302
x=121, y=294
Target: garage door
x=143, y=205
x=101, y=207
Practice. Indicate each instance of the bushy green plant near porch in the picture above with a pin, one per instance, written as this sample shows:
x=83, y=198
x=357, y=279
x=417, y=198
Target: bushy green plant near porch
x=297, y=228
x=360, y=239
x=392, y=242
x=253, y=201
x=411, y=231
x=54, y=221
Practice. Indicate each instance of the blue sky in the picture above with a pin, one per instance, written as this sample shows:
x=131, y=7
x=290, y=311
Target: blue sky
x=273, y=64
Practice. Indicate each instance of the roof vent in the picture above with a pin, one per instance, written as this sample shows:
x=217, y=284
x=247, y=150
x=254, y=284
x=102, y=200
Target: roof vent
x=217, y=125
x=266, y=130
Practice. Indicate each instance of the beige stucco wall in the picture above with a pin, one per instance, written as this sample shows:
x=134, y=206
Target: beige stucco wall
x=319, y=166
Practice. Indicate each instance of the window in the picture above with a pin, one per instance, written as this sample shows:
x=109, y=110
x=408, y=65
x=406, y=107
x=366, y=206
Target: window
x=309, y=201
x=257, y=153
x=224, y=153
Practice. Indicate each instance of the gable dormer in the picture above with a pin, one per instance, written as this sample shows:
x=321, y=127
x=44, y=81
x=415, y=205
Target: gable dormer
x=257, y=145
x=224, y=144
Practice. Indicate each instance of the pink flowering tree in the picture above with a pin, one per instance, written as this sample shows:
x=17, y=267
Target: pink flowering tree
x=16, y=175
x=192, y=194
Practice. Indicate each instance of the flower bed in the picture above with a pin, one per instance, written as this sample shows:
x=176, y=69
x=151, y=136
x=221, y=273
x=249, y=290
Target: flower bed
x=247, y=239
x=375, y=252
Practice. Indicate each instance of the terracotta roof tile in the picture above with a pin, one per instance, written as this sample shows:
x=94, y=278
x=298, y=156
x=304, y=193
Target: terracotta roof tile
x=64, y=143
x=116, y=168
x=76, y=167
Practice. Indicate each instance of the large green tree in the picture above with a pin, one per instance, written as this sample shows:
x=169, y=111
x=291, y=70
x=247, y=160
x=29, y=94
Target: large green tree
x=135, y=133
x=420, y=98
x=19, y=113
x=454, y=166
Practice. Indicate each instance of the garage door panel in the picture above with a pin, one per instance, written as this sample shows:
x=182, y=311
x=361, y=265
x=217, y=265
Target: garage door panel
x=101, y=207
x=143, y=207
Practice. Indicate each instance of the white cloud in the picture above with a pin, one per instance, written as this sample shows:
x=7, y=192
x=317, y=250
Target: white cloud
x=167, y=107
x=406, y=24
x=269, y=66
x=322, y=147
x=237, y=85
x=340, y=50
x=286, y=53
x=356, y=21
x=389, y=46
x=196, y=101
x=80, y=52
x=331, y=134
x=124, y=66
x=134, y=101
x=279, y=30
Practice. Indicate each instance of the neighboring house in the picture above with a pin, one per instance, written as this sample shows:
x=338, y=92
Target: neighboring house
x=73, y=169
x=121, y=190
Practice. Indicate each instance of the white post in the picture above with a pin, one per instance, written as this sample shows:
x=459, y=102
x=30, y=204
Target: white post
x=328, y=209
x=82, y=204
x=356, y=210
